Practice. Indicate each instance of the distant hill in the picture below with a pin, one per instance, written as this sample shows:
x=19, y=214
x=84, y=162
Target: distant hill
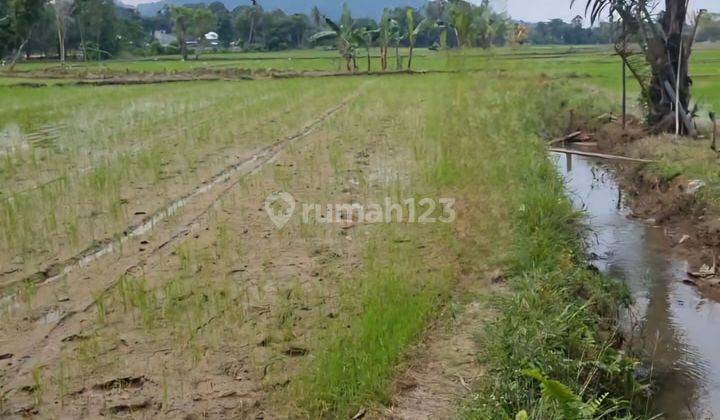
x=331, y=8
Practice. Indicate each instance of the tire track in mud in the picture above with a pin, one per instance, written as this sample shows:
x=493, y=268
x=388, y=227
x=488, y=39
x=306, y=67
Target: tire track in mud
x=57, y=131
x=44, y=342
x=108, y=246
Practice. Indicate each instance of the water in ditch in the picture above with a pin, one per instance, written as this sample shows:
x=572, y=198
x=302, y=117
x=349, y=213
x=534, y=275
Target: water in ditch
x=677, y=328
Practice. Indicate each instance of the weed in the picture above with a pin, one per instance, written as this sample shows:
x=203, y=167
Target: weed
x=61, y=379
x=38, y=385
x=101, y=307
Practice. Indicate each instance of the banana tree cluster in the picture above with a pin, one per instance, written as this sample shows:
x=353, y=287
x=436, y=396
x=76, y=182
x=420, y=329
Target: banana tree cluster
x=351, y=38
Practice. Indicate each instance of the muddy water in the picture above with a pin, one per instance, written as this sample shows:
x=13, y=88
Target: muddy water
x=677, y=329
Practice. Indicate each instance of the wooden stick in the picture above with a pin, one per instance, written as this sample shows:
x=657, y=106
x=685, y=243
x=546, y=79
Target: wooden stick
x=566, y=138
x=624, y=78
x=599, y=155
x=686, y=117
x=714, y=132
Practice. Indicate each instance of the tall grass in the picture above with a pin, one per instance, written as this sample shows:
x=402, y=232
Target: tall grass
x=552, y=353
x=353, y=370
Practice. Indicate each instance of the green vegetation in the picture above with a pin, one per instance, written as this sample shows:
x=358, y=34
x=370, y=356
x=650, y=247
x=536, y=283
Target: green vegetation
x=70, y=31
x=557, y=321
x=557, y=316
x=312, y=320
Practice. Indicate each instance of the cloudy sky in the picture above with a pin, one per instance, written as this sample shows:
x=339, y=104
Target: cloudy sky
x=538, y=10
x=541, y=10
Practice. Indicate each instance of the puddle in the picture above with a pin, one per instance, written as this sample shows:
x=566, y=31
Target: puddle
x=678, y=329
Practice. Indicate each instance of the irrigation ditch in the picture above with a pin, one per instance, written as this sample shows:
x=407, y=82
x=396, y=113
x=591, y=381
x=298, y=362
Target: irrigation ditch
x=669, y=325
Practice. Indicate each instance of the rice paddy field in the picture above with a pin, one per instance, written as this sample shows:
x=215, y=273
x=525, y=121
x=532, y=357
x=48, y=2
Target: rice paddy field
x=141, y=276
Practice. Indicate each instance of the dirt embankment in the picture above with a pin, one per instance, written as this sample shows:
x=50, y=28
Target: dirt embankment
x=86, y=77
x=670, y=200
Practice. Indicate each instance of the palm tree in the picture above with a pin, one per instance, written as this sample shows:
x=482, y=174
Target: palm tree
x=255, y=10
x=460, y=14
x=663, y=72
x=487, y=24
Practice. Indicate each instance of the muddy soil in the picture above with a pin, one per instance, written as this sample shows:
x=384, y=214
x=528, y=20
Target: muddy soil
x=71, y=346
x=147, y=202
x=214, y=311
x=120, y=78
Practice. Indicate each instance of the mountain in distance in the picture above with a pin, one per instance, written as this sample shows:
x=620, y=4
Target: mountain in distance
x=331, y=8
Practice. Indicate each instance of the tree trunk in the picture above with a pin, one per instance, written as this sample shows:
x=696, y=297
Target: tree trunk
x=410, y=55
x=369, y=64
x=398, y=59
x=82, y=43
x=60, y=23
x=61, y=45
x=183, y=47
x=669, y=64
x=251, y=37
x=18, y=54
x=97, y=45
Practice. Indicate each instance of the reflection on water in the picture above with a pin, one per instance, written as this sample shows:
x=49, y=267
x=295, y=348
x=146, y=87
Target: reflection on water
x=677, y=327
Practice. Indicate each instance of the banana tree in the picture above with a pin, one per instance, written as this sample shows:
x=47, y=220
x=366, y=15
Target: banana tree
x=384, y=38
x=460, y=15
x=369, y=36
x=487, y=24
x=413, y=32
x=390, y=35
x=348, y=40
x=396, y=36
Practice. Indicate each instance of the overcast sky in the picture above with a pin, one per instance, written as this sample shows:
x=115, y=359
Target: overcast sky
x=542, y=10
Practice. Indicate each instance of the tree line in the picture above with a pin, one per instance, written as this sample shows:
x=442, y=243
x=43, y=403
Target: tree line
x=99, y=29
x=559, y=32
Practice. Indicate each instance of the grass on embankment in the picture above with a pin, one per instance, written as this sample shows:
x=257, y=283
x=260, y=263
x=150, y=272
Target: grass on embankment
x=478, y=144
x=683, y=157
x=551, y=352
